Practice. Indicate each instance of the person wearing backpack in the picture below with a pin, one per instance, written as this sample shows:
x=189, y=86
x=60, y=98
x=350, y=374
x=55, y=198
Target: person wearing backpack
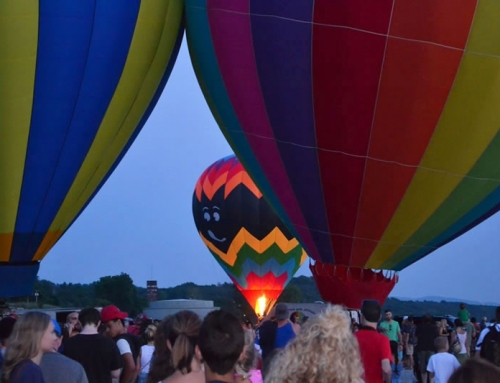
x=488, y=343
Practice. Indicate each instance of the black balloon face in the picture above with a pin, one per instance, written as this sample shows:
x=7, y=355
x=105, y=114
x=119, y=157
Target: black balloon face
x=220, y=219
x=213, y=221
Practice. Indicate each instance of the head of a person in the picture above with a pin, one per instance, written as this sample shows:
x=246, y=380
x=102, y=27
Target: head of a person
x=182, y=338
x=161, y=364
x=497, y=315
x=114, y=319
x=221, y=341
x=388, y=315
x=6, y=327
x=405, y=318
x=441, y=344
x=473, y=320
x=281, y=312
x=370, y=311
x=33, y=334
x=427, y=318
x=325, y=350
x=294, y=317
x=250, y=358
x=410, y=319
x=458, y=323
x=72, y=318
x=476, y=370
x=59, y=335
x=462, y=306
x=90, y=317
x=149, y=333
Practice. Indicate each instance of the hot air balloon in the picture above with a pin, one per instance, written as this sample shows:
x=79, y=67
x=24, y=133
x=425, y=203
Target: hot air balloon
x=244, y=234
x=371, y=126
x=79, y=80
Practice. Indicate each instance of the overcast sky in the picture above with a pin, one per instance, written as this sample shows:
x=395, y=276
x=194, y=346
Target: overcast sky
x=141, y=223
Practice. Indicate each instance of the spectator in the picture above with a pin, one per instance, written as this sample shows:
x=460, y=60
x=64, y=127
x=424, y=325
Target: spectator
x=58, y=368
x=442, y=365
x=325, y=350
x=128, y=344
x=98, y=354
x=32, y=336
x=220, y=345
x=374, y=347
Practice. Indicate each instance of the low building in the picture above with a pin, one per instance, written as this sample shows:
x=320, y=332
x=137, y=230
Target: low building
x=161, y=309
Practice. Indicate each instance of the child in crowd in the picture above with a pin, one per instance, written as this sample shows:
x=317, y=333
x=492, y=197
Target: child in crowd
x=442, y=365
x=407, y=375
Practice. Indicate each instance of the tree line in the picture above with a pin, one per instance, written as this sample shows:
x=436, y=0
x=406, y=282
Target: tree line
x=121, y=291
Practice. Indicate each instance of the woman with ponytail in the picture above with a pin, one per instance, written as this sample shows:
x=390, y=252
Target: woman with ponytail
x=147, y=352
x=174, y=359
x=182, y=339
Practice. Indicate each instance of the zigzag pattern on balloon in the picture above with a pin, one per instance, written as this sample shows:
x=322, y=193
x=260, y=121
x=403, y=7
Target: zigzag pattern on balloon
x=229, y=174
x=244, y=237
x=269, y=284
x=272, y=266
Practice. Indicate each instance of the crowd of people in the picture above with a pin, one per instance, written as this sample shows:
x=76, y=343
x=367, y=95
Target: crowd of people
x=95, y=347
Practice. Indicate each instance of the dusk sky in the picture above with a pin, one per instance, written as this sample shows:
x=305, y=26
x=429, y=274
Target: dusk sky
x=140, y=223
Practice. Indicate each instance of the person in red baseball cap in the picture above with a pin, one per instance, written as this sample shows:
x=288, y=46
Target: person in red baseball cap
x=128, y=344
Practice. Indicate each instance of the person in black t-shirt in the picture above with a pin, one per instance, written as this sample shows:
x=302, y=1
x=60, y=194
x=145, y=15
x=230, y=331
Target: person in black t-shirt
x=426, y=333
x=98, y=354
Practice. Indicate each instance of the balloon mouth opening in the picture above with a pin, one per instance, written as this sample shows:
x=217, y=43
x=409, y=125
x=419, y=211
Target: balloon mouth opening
x=261, y=305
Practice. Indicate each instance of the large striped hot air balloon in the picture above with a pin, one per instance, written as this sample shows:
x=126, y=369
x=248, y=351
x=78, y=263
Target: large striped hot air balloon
x=244, y=234
x=372, y=126
x=78, y=81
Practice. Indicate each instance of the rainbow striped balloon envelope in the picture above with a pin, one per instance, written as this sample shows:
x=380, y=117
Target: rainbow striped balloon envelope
x=78, y=80
x=244, y=234
x=372, y=126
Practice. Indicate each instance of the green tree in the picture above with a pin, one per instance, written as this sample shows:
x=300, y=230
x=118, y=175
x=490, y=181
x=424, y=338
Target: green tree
x=119, y=290
x=291, y=294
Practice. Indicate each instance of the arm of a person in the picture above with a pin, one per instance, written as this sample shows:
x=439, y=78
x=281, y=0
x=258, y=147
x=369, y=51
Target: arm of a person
x=480, y=341
x=115, y=374
x=387, y=370
x=128, y=372
x=431, y=376
x=138, y=365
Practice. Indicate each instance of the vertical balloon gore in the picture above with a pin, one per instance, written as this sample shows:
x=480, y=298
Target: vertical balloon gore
x=349, y=286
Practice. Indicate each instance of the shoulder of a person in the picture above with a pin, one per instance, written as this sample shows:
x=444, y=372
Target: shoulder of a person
x=29, y=369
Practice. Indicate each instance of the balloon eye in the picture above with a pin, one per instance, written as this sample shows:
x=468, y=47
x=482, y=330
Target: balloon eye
x=216, y=216
x=206, y=216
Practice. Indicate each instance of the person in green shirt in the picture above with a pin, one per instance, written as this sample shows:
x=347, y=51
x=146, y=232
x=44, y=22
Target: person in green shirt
x=463, y=313
x=390, y=328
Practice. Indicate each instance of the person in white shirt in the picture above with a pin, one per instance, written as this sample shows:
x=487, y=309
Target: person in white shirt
x=147, y=353
x=443, y=364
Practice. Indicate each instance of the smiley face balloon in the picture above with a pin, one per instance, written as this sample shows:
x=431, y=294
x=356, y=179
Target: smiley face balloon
x=244, y=234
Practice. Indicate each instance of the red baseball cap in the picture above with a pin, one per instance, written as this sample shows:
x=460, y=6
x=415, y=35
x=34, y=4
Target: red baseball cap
x=111, y=312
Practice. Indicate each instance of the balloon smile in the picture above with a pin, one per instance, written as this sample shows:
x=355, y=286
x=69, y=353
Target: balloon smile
x=214, y=237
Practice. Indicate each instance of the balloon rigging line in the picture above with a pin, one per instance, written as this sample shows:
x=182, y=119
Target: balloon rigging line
x=467, y=176
x=346, y=27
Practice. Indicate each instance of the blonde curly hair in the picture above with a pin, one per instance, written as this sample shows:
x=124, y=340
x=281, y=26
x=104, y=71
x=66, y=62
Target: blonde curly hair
x=325, y=350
